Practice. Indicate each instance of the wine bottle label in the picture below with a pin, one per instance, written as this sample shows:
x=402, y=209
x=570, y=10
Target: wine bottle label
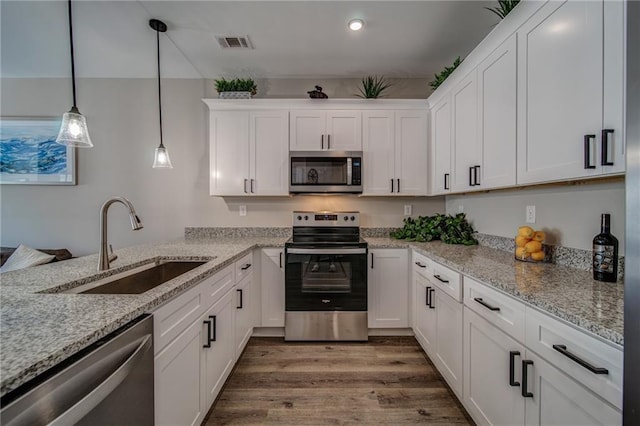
x=603, y=258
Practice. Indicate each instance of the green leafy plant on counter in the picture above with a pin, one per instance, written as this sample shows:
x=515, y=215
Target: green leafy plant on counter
x=504, y=7
x=236, y=85
x=373, y=87
x=450, y=229
x=440, y=78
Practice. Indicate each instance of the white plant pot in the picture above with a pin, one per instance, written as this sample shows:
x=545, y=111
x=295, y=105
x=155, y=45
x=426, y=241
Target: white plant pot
x=234, y=95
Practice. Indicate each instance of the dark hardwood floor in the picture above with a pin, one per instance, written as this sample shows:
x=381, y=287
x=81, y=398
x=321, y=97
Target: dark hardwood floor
x=388, y=380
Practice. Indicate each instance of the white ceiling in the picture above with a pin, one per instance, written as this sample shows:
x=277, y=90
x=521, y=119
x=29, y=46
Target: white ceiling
x=292, y=39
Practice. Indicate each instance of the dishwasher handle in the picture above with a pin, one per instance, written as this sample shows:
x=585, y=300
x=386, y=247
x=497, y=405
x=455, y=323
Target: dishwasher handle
x=95, y=397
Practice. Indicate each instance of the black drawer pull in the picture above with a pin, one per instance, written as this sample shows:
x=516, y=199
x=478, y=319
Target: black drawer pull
x=439, y=278
x=595, y=370
x=486, y=305
x=421, y=265
x=209, y=326
x=512, y=367
x=604, y=157
x=525, y=392
x=240, y=294
x=587, y=151
x=213, y=321
x=246, y=266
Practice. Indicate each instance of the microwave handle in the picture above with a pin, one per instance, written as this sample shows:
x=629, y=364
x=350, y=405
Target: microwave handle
x=349, y=170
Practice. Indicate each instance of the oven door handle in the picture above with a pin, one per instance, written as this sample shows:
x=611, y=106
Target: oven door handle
x=327, y=251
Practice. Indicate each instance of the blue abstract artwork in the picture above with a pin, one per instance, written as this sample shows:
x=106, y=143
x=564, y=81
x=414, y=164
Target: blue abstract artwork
x=29, y=153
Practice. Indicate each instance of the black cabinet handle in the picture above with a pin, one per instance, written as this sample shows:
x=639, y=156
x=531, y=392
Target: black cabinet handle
x=251, y=185
x=439, y=278
x=213, y=321
x=328, y=141
x=246, y=266
x=240, y=294
x=398, y=190
x=371, y=260
x=587, y=151
x=446, y=181
x=280, y=259
x=604, y=157
x=431, y=291
x=512, y=367
x=427, y=293
x=421, y=265
x=391, y=185
x=525, y=392
x=321, y=141
x=485, y=304
x=209, y=327
x=595, y=370
x=471, y=169
x=244, y=187
x=476, y=175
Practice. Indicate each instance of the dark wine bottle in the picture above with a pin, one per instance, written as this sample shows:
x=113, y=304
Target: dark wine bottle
x=605, y=253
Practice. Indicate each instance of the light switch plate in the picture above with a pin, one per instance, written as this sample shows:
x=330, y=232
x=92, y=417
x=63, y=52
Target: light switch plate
x=460, y=208
x=243, y=210
x=408, y=209
x=531, y=214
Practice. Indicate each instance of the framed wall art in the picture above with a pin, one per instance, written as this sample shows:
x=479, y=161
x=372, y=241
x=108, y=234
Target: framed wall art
x=30, y=155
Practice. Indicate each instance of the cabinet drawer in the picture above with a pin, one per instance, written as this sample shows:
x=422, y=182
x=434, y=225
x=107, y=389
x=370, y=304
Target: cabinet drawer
x=213, y=288
x=446, y=280
x=172, y=318
x=244, y=267
x=422, y=265
x=588, y=360
x=499, y=309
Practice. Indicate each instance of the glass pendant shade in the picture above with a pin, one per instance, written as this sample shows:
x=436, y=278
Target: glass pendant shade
x=73, y=131
x=161, y=159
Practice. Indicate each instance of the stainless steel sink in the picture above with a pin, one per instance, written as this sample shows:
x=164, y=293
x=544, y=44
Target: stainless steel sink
x=138, y=280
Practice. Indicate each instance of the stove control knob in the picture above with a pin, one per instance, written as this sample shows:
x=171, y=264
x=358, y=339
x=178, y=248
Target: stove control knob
x=346, y=218
x=306, y=218
x=299, y=217
x=353, y=218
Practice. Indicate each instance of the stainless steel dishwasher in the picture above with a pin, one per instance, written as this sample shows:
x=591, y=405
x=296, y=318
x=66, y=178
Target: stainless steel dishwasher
x=107, y=383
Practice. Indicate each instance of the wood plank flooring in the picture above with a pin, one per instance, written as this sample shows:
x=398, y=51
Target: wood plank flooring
x=386, y=381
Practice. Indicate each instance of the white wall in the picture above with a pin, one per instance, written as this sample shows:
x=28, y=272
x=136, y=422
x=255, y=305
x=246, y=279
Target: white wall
x=570, y=214
x=123, y=123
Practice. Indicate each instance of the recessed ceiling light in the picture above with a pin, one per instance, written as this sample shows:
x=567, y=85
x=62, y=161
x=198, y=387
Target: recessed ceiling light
x=356, y=24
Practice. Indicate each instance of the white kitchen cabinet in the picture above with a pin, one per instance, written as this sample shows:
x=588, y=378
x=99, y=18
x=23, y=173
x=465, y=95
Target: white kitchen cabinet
x=395, y=152
x=465, y=151
x=497, y=117
x=448, y=354
x=249, y=152
x=272, y=282
x=570, y=86
x=245, y=302
x=440, y=147
x=317, y=130
x=424, y=315
x=388, y=288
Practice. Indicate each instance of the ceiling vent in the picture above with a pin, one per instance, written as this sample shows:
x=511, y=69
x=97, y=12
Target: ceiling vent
x=233, y=42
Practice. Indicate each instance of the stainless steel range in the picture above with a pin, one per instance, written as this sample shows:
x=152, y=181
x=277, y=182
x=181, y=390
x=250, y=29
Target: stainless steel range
x=326, y=278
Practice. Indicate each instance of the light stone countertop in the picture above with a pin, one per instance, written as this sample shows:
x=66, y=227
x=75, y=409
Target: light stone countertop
x=40, y=330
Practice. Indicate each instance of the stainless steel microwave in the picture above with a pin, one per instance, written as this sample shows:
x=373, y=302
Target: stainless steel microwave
x=325, y=172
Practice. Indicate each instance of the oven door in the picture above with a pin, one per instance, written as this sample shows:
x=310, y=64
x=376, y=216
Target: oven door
x=326, y=279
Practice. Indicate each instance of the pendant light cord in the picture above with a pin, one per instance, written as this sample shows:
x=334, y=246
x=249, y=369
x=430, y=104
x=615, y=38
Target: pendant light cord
x=73, y=67
x=159, y=87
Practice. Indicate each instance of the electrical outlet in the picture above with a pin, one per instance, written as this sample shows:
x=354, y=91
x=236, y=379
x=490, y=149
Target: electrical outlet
x=407, y=209
x=243, y=210
x=531, y=214
x=460, y=208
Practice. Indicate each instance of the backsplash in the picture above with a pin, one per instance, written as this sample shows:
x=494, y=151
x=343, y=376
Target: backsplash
x=193, y=233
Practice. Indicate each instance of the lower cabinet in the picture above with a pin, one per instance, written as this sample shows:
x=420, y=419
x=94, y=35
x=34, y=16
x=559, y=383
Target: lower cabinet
x=425, y=320
x=272, y=283
x=388, y=288
x=244, y=307
x=448, y=353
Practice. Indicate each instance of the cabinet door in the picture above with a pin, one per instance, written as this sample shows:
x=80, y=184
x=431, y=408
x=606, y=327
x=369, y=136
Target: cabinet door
x=269, y=152
x=378, y=146
x=411, y=152
x=465, y=156
x=307, y=130
x=560, y=80
x=497, y=119
x=244, y=307
x=440, y=158
x=218, y=359
x=487, y=392
x=424, y=325
x=178, y=380
x=272, y=281
x=449, y=339
x=229, y=152
x=344, y=131
x=558, y=400
x=388, y=288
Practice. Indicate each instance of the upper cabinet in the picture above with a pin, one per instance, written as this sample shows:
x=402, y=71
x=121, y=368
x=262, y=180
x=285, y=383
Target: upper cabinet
x=395, y=152
x=465, y=155
x=440, y=147
x=570, y=89
x=317, y=130
x=249, y=152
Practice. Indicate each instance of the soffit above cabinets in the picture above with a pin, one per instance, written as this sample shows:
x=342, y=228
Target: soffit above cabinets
x=290, y=39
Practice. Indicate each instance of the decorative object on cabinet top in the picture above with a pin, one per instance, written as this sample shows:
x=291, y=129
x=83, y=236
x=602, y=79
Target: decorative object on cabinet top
x=442, y=76
x=238, y=88
x=373, y=87
x=317, y=93
x=504, y=7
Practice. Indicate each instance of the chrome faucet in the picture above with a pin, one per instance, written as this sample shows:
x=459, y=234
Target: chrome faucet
x=136, y=224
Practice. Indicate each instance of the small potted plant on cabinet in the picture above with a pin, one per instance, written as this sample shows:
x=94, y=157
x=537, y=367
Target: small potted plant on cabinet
x=238, y=88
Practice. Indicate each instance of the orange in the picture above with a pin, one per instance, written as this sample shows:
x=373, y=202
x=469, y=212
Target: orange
x=539, y=236
x=533, y=246
x=521, y=253
x=538, y=255
x=526, y=231
x=521, y=241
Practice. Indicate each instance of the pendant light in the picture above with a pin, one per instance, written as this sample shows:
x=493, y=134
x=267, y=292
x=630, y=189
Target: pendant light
x=73, y=131
x=161, y=159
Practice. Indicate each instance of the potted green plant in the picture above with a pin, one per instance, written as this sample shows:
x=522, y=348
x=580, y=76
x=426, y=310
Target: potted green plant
x=504, y=7
x=442, y=76
x=372, y=87
x=238, y=88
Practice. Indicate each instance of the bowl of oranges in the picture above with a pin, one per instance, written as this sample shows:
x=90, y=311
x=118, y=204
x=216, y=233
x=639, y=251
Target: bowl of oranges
x=529, y=245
